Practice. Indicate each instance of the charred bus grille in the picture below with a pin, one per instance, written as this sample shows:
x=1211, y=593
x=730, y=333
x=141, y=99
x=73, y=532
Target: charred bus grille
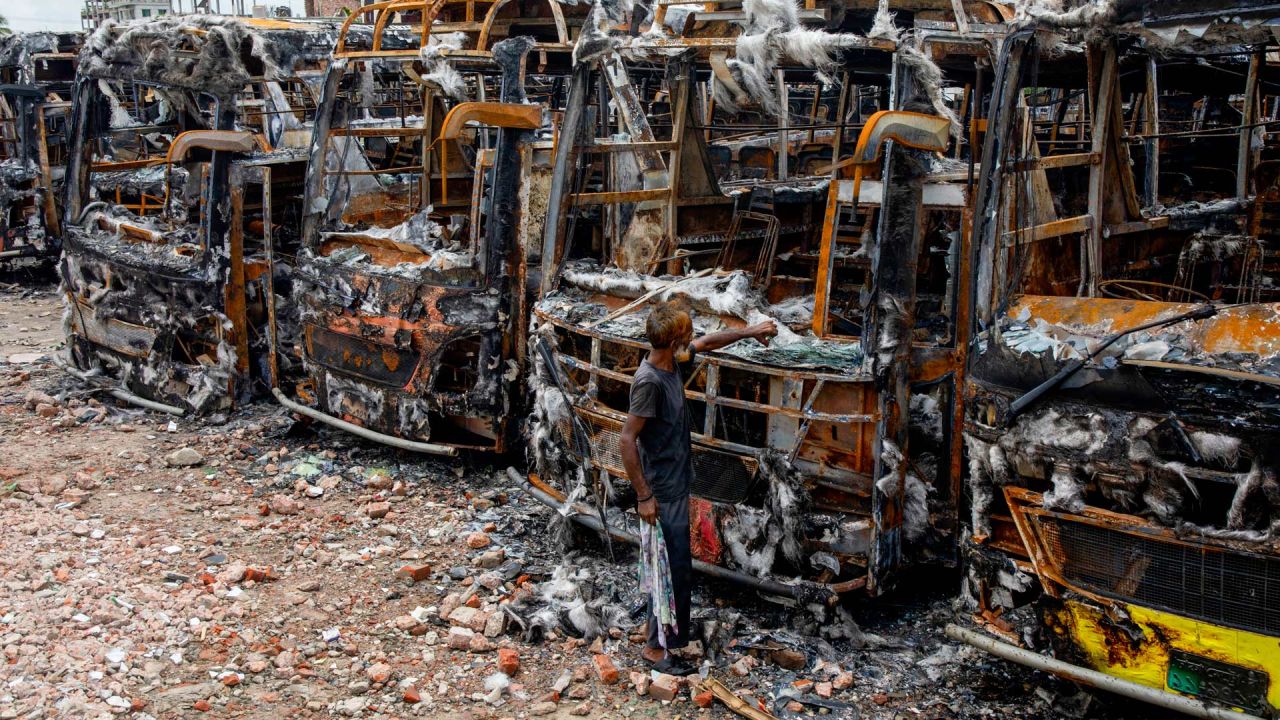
x=375, y=362
x=122, y=337
x=717, y=475
x=1208, y=582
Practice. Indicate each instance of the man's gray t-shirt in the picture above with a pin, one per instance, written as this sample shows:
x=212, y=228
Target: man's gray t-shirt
x=665, y=452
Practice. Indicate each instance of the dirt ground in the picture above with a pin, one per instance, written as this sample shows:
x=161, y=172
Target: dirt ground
x=251, y=567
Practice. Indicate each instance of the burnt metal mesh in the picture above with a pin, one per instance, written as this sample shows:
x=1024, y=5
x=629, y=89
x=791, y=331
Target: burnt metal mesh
x=1214, y=584
x=717, y=475
x=118, y=335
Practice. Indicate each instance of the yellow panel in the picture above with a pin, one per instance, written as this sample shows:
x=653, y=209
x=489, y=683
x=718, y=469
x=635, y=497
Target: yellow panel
x=1147, y=663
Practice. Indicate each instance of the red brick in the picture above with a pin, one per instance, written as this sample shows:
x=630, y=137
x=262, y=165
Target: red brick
x=411, y=695
x=664, y=687
x=257, y=575
x=704, y=699
x=203, y=706
x=605, y=669
x=508, y=661
x=414, y=573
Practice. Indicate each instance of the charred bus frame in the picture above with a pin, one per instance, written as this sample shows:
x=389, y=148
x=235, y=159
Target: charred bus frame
x=179, y=179
x=805, y=458
x=1122, y=462
x=419, y=195
x=37, y=71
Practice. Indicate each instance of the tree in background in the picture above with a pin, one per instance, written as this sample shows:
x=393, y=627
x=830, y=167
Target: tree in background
x=4, y=26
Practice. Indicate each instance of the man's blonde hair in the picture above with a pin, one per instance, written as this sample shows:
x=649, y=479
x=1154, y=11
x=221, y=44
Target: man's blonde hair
x=668, y=323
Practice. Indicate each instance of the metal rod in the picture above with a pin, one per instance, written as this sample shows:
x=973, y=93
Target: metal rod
x=123, y=394
x=589, y=520
x=366, y=433
x=1093, y=678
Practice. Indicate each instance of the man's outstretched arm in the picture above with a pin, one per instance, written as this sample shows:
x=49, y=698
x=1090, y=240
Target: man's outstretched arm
x=716, y=340
x=646, y=505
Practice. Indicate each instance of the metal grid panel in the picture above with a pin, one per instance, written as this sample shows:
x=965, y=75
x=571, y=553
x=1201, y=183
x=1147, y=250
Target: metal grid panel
x=1213, y=584
x=717, y=475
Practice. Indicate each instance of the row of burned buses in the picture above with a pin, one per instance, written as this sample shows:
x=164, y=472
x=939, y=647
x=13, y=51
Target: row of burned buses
x=1023, y=263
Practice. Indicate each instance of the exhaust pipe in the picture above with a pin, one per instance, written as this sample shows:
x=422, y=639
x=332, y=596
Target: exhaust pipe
x=1093, y=678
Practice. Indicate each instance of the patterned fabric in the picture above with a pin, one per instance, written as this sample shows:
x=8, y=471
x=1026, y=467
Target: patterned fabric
x=655, y=580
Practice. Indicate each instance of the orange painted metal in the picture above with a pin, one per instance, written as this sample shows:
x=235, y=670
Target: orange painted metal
x=1253, y=328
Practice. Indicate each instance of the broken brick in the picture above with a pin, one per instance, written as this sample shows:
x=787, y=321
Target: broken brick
x=378, y=672
x=377, y=510
x=605, y=669
x=477, y=540
x=411, y=695
x=788, y=659
x=257, y=575
x=664, y=687
x=704, y=699
x=640, y=680
x=508, y=661
x=414, y=573
x=823, y=689
x=460, y=638
x=843, y=681
x=202, y=706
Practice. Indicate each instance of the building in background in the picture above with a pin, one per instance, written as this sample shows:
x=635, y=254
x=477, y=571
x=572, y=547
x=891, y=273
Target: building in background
x=332, y=8
x=95, y=12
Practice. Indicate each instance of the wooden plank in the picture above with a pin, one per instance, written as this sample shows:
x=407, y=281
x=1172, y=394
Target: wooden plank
x=813, y=16
x=1057, y=228
x=1151, y=183
x=706, y=200
x=571, y=134
x=1042, y=209
x=1125, y=228
x=612, y=147
x=962, y=18
x=378, y=131
x=1244, y=156
x=1055, y=162
x=1121, y=163
x=614, y=198
x=1097, y=174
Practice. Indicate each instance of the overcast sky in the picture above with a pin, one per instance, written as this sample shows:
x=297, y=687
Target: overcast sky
x=26, y=15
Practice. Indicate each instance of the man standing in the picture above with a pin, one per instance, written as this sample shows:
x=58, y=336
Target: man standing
x=657, y=454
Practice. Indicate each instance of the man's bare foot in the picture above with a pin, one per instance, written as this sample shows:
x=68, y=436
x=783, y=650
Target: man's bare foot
x=653, y=655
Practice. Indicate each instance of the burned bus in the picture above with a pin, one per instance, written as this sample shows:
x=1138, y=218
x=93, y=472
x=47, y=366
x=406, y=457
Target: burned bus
x=828, y=460
x=429, y=164
x=186, y=165
x=1121, y=424
x=37, y=71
